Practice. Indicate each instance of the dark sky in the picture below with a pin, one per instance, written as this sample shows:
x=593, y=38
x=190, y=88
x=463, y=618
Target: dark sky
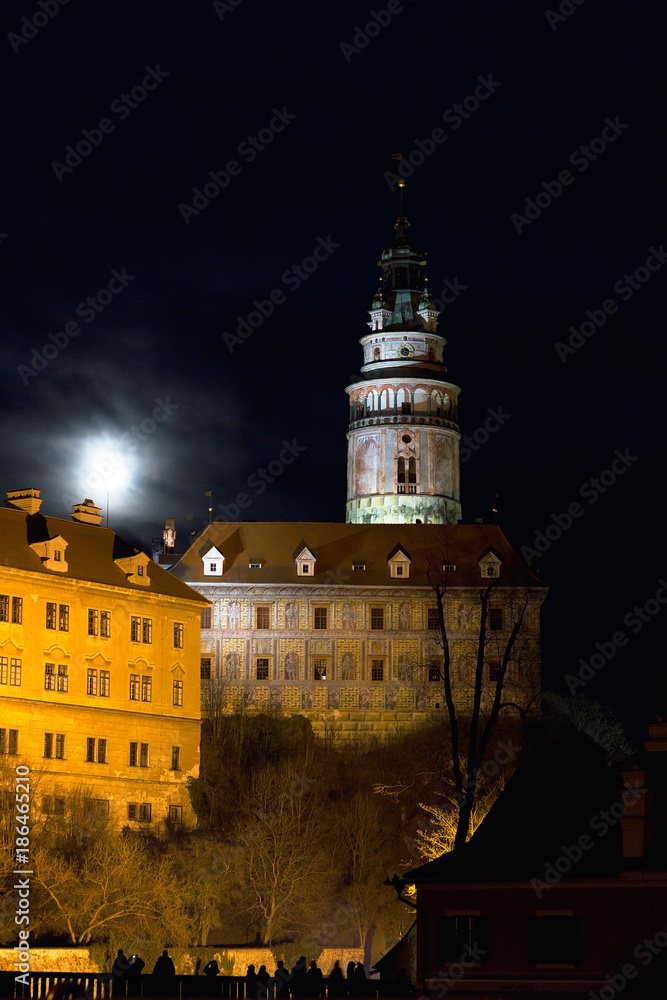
x=346, y=99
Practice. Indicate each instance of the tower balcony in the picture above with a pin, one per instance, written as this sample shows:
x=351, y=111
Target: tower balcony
x=412, y=419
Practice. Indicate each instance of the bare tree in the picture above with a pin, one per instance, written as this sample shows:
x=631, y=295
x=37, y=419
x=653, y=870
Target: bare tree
x=468, y=750
x=104, y=887
x=287, y=854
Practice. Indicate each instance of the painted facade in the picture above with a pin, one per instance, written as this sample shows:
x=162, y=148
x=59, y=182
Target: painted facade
x=339, y=622
x=99, y=670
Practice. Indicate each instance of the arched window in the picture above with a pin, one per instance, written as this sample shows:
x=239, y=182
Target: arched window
x=376, y=354
x=400, y=475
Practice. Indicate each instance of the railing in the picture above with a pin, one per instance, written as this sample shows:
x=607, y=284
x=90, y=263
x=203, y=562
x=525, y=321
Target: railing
x=99, y=986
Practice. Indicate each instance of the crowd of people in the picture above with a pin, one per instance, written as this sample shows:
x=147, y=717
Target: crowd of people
x=300, y=982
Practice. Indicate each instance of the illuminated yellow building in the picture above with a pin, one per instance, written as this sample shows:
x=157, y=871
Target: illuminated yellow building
x=99, y=668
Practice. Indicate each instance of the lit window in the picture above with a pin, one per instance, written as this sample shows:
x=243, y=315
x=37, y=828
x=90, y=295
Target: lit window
x=105, y=624
x=146, y=688
x=178, y=635
x=15, y=673
x=9, y=741
x=377, y=670
x=262, y=666
x=139, y=812
x=377, y=618
x=49, y=676
x=320, y=618
x=178, y=693
x=63, y=618
x=320, y=669
x=92, y=622
x=175, y=758
x=263, y=617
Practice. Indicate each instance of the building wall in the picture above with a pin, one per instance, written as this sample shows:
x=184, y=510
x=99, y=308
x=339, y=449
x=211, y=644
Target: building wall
x=353, y=699
x=33, y=710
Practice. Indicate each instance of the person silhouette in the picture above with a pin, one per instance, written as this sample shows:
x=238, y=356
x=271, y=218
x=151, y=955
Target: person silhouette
x=212, y=969
x=336, y=981
x=251, y=982
x=314, y=981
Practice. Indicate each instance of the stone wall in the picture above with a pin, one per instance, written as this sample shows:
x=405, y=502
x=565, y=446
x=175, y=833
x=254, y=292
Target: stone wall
x=79, y=960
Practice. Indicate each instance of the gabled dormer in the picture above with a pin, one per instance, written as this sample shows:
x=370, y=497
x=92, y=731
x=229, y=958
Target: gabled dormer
x=305, y=562
x=379, y=313
x=135, y=568
x=213, y=562
x=489, y=565
x=399, y=563
x=52, y=553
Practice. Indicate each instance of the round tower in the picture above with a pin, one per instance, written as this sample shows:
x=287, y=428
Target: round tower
x=403, y=438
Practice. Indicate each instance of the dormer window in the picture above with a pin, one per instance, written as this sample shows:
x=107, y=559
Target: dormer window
x=255, y=564
x=305, y=563
x=490, y=565
x=134, y=568
x=214, y=562
x=399, y=564
x=52, y=552
x=140, y=569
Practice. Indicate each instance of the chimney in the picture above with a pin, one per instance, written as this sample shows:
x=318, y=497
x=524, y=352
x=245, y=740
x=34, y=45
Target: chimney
x=86, y=513
x=26, y=500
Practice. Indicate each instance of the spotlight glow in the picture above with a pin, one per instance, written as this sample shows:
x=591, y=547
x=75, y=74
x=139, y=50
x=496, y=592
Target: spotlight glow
x=106, y=466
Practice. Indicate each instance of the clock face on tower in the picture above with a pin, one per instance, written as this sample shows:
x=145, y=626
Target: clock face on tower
x=405, y=351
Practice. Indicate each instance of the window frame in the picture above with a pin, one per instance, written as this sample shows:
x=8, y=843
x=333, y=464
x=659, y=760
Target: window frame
x=375, y=611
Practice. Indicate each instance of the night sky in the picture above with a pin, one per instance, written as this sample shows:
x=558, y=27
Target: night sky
x=308, y=105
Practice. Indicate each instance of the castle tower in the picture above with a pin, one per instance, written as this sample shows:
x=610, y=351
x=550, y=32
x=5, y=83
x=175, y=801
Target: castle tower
x=403, y=438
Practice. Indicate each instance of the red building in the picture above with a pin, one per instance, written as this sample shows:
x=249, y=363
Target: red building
x=562, y=890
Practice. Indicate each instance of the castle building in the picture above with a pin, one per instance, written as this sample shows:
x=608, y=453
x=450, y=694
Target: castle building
x=99, y=670
x=339, y=622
